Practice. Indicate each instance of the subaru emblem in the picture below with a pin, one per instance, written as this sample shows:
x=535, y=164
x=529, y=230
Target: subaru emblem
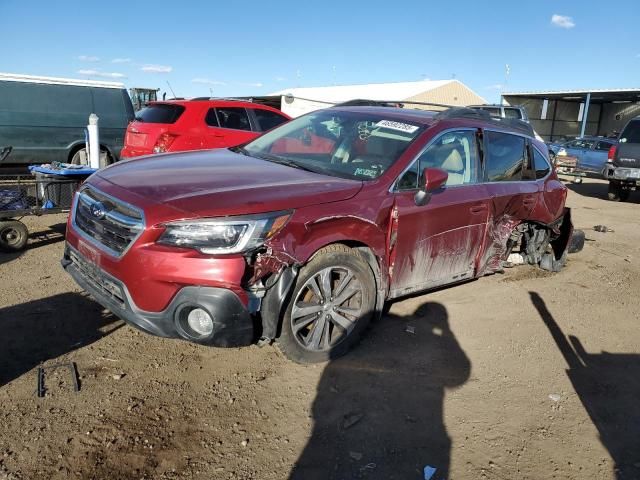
x=98, y=210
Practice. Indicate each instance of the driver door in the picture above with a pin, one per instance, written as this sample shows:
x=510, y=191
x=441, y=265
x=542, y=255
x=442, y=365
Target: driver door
x=439, y=243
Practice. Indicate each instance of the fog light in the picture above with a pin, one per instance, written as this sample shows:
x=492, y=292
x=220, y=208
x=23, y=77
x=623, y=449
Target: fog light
x=200, y=322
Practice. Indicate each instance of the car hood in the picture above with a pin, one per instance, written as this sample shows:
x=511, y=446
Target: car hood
x=220, y=183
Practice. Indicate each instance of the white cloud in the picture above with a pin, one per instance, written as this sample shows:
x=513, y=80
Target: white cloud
x=88, y=58
x=562, y=21
x=150, y=68
x=495, y=86
x=206, y=81
x=121, y=60
x=97, y=73
x=281, y=79
x=253, y=84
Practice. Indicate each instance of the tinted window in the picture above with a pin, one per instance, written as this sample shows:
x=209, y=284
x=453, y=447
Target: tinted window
x=631, y=133
x=233, y=117
x=454, y=152
x=505, y=157
x=512, y=113
x=268, y=119
x=211, y=119
x=603, y=146
x=160, y=113
x=109, y=105
x=540, y=164
x=494, y=112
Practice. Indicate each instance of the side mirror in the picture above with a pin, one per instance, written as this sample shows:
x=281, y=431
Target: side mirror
x=434, y=179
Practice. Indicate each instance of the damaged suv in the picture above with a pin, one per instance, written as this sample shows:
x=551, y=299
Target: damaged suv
x=302, y=235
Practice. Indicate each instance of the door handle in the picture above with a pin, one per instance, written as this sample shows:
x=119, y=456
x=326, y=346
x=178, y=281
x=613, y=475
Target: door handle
x=477, y=209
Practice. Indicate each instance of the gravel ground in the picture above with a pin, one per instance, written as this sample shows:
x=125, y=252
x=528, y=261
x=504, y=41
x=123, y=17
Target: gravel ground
x=525, y=375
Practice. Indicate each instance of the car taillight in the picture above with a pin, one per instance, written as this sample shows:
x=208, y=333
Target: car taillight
x=612, y=153
x=164, y=142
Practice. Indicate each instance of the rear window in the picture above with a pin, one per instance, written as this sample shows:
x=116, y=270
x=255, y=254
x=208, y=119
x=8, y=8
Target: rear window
x=605, y=146
x=631, y=133
x=268, y=119
x=505, y=157
x=160, y=113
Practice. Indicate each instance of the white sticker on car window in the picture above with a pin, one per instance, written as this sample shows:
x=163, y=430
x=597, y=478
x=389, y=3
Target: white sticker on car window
x=403, y=127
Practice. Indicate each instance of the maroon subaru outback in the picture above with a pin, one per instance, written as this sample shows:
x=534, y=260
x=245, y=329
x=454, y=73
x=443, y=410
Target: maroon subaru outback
x=302, y=235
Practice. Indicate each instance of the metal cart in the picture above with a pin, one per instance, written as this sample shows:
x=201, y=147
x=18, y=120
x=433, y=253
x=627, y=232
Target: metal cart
x=42, y=191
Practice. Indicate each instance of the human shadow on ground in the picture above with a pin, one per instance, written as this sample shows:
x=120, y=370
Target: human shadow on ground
x=37, y=331
x=378, y=412
x=598, y=190
x=608, y=385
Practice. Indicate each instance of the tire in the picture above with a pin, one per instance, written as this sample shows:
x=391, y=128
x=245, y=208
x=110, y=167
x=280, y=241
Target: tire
x=624, y=195
x=80, y=158
x=615, y=191
x=577, y=180
x=327, y=331
x=13, y=235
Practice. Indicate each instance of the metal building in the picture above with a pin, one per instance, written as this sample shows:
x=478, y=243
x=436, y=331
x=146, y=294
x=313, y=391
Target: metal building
x=576, y=113
x=298, y=101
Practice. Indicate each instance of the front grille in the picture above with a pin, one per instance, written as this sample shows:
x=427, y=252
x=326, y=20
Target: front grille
x=107, y=221
x=97, y=278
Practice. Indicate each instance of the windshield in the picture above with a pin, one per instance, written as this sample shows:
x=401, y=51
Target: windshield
x=351, y=145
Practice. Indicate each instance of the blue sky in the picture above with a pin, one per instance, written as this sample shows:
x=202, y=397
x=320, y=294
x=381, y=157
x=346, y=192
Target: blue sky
x=251, y=48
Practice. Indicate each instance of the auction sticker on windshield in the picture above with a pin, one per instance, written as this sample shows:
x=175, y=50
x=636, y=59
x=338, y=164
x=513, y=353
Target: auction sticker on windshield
x=403, y=127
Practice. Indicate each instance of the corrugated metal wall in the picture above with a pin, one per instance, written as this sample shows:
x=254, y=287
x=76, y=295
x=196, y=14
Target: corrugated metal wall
x=562, y=117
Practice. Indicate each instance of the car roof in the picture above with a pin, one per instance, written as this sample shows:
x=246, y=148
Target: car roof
x=476, y=118
x=216, y=102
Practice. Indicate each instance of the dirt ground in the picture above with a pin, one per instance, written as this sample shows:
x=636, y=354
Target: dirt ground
x=521, y=375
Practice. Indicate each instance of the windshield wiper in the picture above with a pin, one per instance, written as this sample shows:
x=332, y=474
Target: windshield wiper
x=282, y=161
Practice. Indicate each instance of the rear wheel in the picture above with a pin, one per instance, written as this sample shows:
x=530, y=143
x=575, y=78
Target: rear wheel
x=13, y=235
x=80, y=157
x=616, y=193
x=332, y=302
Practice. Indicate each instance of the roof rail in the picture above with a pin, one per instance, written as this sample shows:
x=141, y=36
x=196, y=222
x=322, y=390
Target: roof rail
x=226, y=99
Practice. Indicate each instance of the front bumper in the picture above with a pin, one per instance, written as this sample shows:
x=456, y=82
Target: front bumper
x=232, y=323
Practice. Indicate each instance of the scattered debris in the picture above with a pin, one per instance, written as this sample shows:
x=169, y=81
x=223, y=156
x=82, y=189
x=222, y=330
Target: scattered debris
x=410, y=329
x=244, y=443
x=73, y=370
x=118, y=376
x=602, y=229
x=555, y=397
x=357, y=456
x=429, y=472
x=350, y=419
x=516, y=259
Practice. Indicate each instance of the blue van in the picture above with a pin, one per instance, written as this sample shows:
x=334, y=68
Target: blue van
x=44, y=118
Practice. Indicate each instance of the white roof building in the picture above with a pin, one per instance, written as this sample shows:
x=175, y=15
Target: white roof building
x=297, y=101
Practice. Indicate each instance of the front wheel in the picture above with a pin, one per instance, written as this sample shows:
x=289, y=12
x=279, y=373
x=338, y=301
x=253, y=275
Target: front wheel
x=331, y=304
x=13, y=235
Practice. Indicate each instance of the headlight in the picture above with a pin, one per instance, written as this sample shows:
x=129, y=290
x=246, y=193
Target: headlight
x=224, y=235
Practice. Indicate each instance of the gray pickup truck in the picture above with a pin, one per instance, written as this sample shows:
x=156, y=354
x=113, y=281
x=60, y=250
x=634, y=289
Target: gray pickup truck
x=623, y=166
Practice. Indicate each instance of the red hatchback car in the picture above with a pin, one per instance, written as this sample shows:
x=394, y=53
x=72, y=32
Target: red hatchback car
x=302, y=235
x=199, y=124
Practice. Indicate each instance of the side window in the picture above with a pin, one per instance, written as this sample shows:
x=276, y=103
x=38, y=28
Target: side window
x=268, y=119
x=234, y=118
x=512, y=113
x=540, y=164
x=603, y=146
x=454, y=152
x=505, y=158
x=211, y=119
